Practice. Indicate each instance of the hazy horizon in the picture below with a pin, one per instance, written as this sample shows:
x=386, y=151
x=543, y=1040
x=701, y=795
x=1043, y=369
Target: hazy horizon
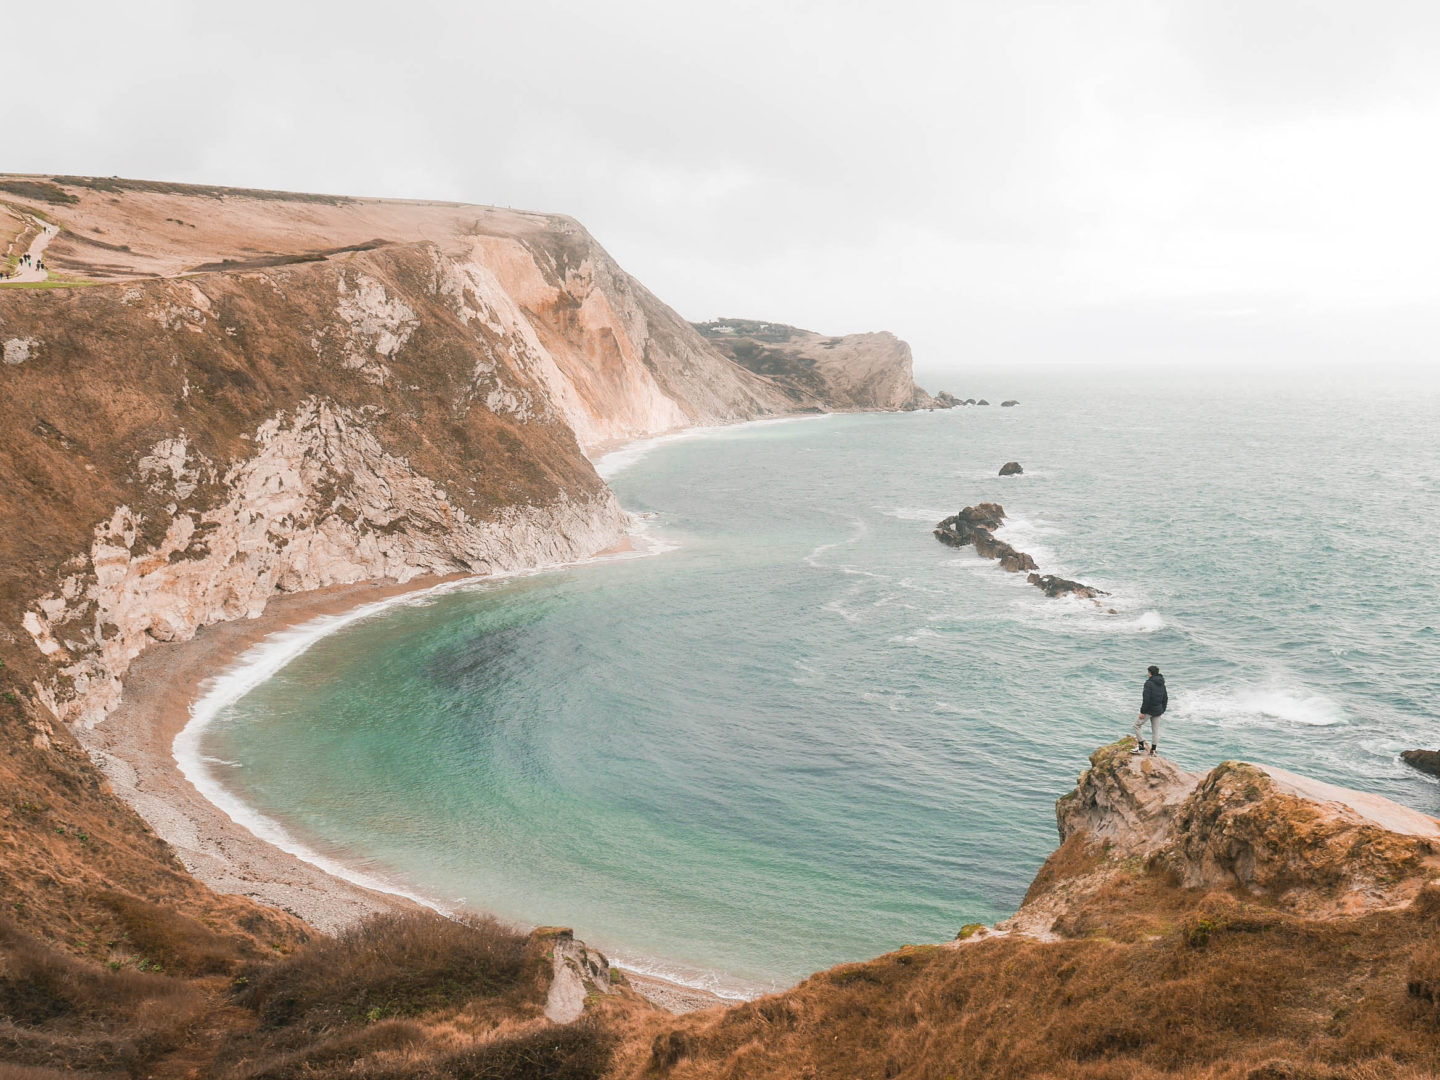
x=1220, y=183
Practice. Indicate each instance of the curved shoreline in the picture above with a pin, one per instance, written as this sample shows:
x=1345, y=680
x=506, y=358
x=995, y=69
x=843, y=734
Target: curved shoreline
x=148, y=747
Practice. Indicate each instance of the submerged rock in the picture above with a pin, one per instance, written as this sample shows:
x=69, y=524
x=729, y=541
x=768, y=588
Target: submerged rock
x=1011, y=468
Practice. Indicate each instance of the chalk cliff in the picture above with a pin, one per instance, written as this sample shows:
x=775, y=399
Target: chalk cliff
x=277, y=393
x=219, y=396
x=851, y=371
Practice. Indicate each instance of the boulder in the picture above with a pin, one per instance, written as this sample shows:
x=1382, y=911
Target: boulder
x=946, y=400
x=960, y=529
x=982, y=401
x=1011, y=468
x=1009, y=404
x=1054, y=585
x=1427, y=761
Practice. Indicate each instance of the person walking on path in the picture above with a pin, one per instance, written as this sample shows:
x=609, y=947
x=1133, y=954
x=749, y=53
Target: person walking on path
x=1153, y=701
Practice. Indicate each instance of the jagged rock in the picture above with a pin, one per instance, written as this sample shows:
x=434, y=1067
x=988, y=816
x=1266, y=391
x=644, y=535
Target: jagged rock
x=1053, y=585
x=1009, y=404
x=1317, y=848
x=960, y=529
x=1011, y=468
x=578, y=972
x=1314, y=848
x=1010, y=559
x=1427, y=761
x=946, y=400
x=975, y=526
x=1127, y=800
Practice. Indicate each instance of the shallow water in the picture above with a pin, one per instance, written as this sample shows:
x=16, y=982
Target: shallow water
x=804, y=732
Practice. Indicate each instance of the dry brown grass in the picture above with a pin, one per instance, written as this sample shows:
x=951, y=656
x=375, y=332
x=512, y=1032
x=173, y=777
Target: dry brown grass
x=1215, y=986
x=411, y=997
x=173, y=941
x=60, y=1012
x=392, y=965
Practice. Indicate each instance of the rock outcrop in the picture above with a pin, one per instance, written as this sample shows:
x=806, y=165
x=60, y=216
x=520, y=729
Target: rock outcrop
x=1009, y=404
x=576, y=973
x=975, y=527
x=1011, y=468
x=1054, y=585
x=1312, y=848
x=851, y=371
x=1427, y=761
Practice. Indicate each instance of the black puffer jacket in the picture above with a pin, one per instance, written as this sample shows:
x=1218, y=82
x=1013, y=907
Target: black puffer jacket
x=1154, y=700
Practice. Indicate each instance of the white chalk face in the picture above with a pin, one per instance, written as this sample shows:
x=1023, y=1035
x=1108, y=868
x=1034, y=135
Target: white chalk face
x=1241, y=181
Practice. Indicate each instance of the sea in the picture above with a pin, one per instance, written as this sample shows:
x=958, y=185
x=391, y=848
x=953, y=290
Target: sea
x=789, y=728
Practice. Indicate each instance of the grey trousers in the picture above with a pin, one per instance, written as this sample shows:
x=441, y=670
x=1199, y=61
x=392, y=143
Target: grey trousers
x=1154, y=729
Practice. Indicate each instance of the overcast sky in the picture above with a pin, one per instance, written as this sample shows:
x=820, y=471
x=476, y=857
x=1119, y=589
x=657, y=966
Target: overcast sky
x=1225, y=181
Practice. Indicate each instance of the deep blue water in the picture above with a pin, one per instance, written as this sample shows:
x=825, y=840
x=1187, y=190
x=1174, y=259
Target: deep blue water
x=804, y=732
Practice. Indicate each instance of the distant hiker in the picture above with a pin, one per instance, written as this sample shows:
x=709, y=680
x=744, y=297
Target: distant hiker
x=1152, y=706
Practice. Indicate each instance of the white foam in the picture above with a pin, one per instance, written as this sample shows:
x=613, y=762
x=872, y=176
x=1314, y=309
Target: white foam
x=1260, y=706
x=613, y=462
x=813, y=559
x=722, y=986
x=917, y=513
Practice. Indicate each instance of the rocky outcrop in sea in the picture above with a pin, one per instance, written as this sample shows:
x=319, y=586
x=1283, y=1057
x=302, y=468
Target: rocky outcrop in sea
x=975, y=527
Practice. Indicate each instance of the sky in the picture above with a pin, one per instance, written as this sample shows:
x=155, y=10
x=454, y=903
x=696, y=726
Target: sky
x=1236, y=183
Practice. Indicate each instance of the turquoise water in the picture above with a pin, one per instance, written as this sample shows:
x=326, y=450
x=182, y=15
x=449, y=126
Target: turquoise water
x=804, y=732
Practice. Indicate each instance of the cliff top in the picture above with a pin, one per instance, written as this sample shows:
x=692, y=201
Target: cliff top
x=114, y=229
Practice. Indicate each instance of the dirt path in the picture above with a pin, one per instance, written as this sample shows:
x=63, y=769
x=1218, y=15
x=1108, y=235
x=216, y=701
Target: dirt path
x=33, y=272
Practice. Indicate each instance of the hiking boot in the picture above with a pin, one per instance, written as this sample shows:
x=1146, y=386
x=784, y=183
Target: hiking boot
x=1139, y=748
x=1153, y=748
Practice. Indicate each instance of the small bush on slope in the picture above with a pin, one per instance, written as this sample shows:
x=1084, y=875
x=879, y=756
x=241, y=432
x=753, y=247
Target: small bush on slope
x=390, y=965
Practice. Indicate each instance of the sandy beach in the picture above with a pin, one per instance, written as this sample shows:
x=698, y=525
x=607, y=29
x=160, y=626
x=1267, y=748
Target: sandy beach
x=134, y=746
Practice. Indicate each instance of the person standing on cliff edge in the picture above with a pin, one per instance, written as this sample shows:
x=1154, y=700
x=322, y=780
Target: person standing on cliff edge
x=1152, y=706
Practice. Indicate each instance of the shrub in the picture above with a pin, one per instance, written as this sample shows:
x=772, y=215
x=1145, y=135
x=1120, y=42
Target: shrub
x=401, y=965
x=59, y=1011
x=171, y=941
x=578, y=1051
